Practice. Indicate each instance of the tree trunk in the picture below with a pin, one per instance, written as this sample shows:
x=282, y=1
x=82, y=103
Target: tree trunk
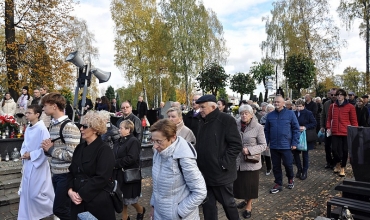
x=10, y=50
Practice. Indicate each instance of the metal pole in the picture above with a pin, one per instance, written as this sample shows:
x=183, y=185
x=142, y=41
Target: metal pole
x=83, y=100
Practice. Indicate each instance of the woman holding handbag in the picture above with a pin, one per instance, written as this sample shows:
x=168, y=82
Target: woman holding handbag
x=127, y=158
x=248, y=163
x=306, y=122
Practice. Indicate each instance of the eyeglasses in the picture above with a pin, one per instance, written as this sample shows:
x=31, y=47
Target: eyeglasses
x=350, y=95
x=84, y=126
x=333, y=95
x=159, y=142
x=28, y=113
x=339, y=94
x=124, y=107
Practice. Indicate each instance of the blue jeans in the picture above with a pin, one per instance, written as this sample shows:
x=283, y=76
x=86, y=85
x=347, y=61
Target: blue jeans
x=297, y=159
x=62, y=202
x=276, y=157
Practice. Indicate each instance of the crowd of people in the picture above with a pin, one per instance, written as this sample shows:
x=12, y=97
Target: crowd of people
x=201, y=157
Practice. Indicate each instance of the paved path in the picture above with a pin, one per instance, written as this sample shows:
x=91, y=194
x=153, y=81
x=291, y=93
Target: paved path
x=305, y=201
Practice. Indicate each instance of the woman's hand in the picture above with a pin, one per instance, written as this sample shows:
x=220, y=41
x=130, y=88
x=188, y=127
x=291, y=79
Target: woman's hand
x=76, y=199
x=302, y=128
x=245, y=151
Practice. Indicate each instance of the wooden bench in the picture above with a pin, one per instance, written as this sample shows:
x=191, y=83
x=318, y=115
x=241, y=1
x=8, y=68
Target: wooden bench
x=355, y=195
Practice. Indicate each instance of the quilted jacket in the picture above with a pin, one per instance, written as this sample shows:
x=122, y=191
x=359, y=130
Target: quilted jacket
x=340, y=117
x=178, y=189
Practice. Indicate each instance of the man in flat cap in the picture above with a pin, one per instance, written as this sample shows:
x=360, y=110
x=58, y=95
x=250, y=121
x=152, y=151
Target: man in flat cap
x=218, y=145
x=352, y=98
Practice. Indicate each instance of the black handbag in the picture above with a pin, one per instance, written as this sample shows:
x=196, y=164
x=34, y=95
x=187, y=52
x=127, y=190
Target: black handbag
x=116, y=195
x=311, y=135
x=132, y=175
x=252, y=158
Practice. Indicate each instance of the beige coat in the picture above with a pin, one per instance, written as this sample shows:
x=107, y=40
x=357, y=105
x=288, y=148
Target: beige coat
x=185, y=133
x=254, y=139
x=46, y=119
x=8, y=108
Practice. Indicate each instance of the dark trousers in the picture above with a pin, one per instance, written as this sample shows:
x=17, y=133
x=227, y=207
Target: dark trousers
x=297, y=158
x=287, y=157
x=340, y=149
x=267, y=159
x=224, y=195
x=328, y=151
x=62, y=202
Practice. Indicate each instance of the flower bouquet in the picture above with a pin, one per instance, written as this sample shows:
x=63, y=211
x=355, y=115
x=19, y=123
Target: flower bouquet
x=8, y=121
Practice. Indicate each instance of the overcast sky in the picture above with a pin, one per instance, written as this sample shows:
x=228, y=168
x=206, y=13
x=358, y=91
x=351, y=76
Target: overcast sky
x=243, y=29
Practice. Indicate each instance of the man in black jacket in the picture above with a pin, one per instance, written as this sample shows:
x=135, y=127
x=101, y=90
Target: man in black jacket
x=190, y=119
x=142, y=108
x=126, y=108
x=218, y=145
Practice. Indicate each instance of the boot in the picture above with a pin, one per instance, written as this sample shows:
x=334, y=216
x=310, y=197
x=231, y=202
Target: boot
x=337, y=168
x=304, y=175
x=341, y=173
x=299, y=173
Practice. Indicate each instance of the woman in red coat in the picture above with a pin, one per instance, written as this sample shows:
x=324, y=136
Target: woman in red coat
x=341, y=114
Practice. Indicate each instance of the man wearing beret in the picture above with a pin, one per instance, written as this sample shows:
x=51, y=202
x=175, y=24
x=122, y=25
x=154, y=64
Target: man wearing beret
x=218, y=145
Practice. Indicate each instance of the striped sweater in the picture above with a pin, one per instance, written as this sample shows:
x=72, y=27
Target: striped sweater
x=60, y=152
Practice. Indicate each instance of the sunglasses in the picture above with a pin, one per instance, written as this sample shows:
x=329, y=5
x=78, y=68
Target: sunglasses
x=84, y=126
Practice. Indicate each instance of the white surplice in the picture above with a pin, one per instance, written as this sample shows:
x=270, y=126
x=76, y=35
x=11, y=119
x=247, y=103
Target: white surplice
x=36, y=190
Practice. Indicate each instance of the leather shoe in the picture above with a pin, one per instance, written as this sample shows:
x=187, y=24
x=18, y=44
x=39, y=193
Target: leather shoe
x=299, y=173
x=247, y=214
x=304, y=176
x=241, y=205
x=140, y=215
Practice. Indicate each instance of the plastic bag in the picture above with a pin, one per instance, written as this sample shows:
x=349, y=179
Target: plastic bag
x=302, y=146
x=321, y=136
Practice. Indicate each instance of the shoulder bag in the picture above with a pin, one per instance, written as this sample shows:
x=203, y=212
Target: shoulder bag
x=251, y=158
x=311, y=135
x=132, y=175
x=116, y=195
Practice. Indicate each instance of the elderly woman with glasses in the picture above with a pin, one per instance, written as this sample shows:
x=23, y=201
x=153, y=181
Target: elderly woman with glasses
x=178, y=185
x=341, y=114
x=175, y=115
x=91, y=171
x=254, y=143
x=127, y=154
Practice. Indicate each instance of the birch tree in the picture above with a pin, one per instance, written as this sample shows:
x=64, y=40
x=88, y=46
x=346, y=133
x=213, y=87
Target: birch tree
x=349, y=11
x=303, y=27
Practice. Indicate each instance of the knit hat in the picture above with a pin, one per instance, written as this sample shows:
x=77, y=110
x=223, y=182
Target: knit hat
x=25, y=87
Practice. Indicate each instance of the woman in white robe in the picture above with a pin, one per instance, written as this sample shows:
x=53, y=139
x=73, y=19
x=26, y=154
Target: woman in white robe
x=36, y=190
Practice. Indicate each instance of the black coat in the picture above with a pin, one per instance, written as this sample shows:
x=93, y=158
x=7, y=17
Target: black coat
x=191, y=122
x=127, y=156
x=138, y=129
x=94, y=164
x=218, y=145
x=362, y=116
x=142, y=109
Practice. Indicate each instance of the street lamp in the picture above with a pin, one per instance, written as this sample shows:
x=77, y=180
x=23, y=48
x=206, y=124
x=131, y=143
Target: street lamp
x=84, y=77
